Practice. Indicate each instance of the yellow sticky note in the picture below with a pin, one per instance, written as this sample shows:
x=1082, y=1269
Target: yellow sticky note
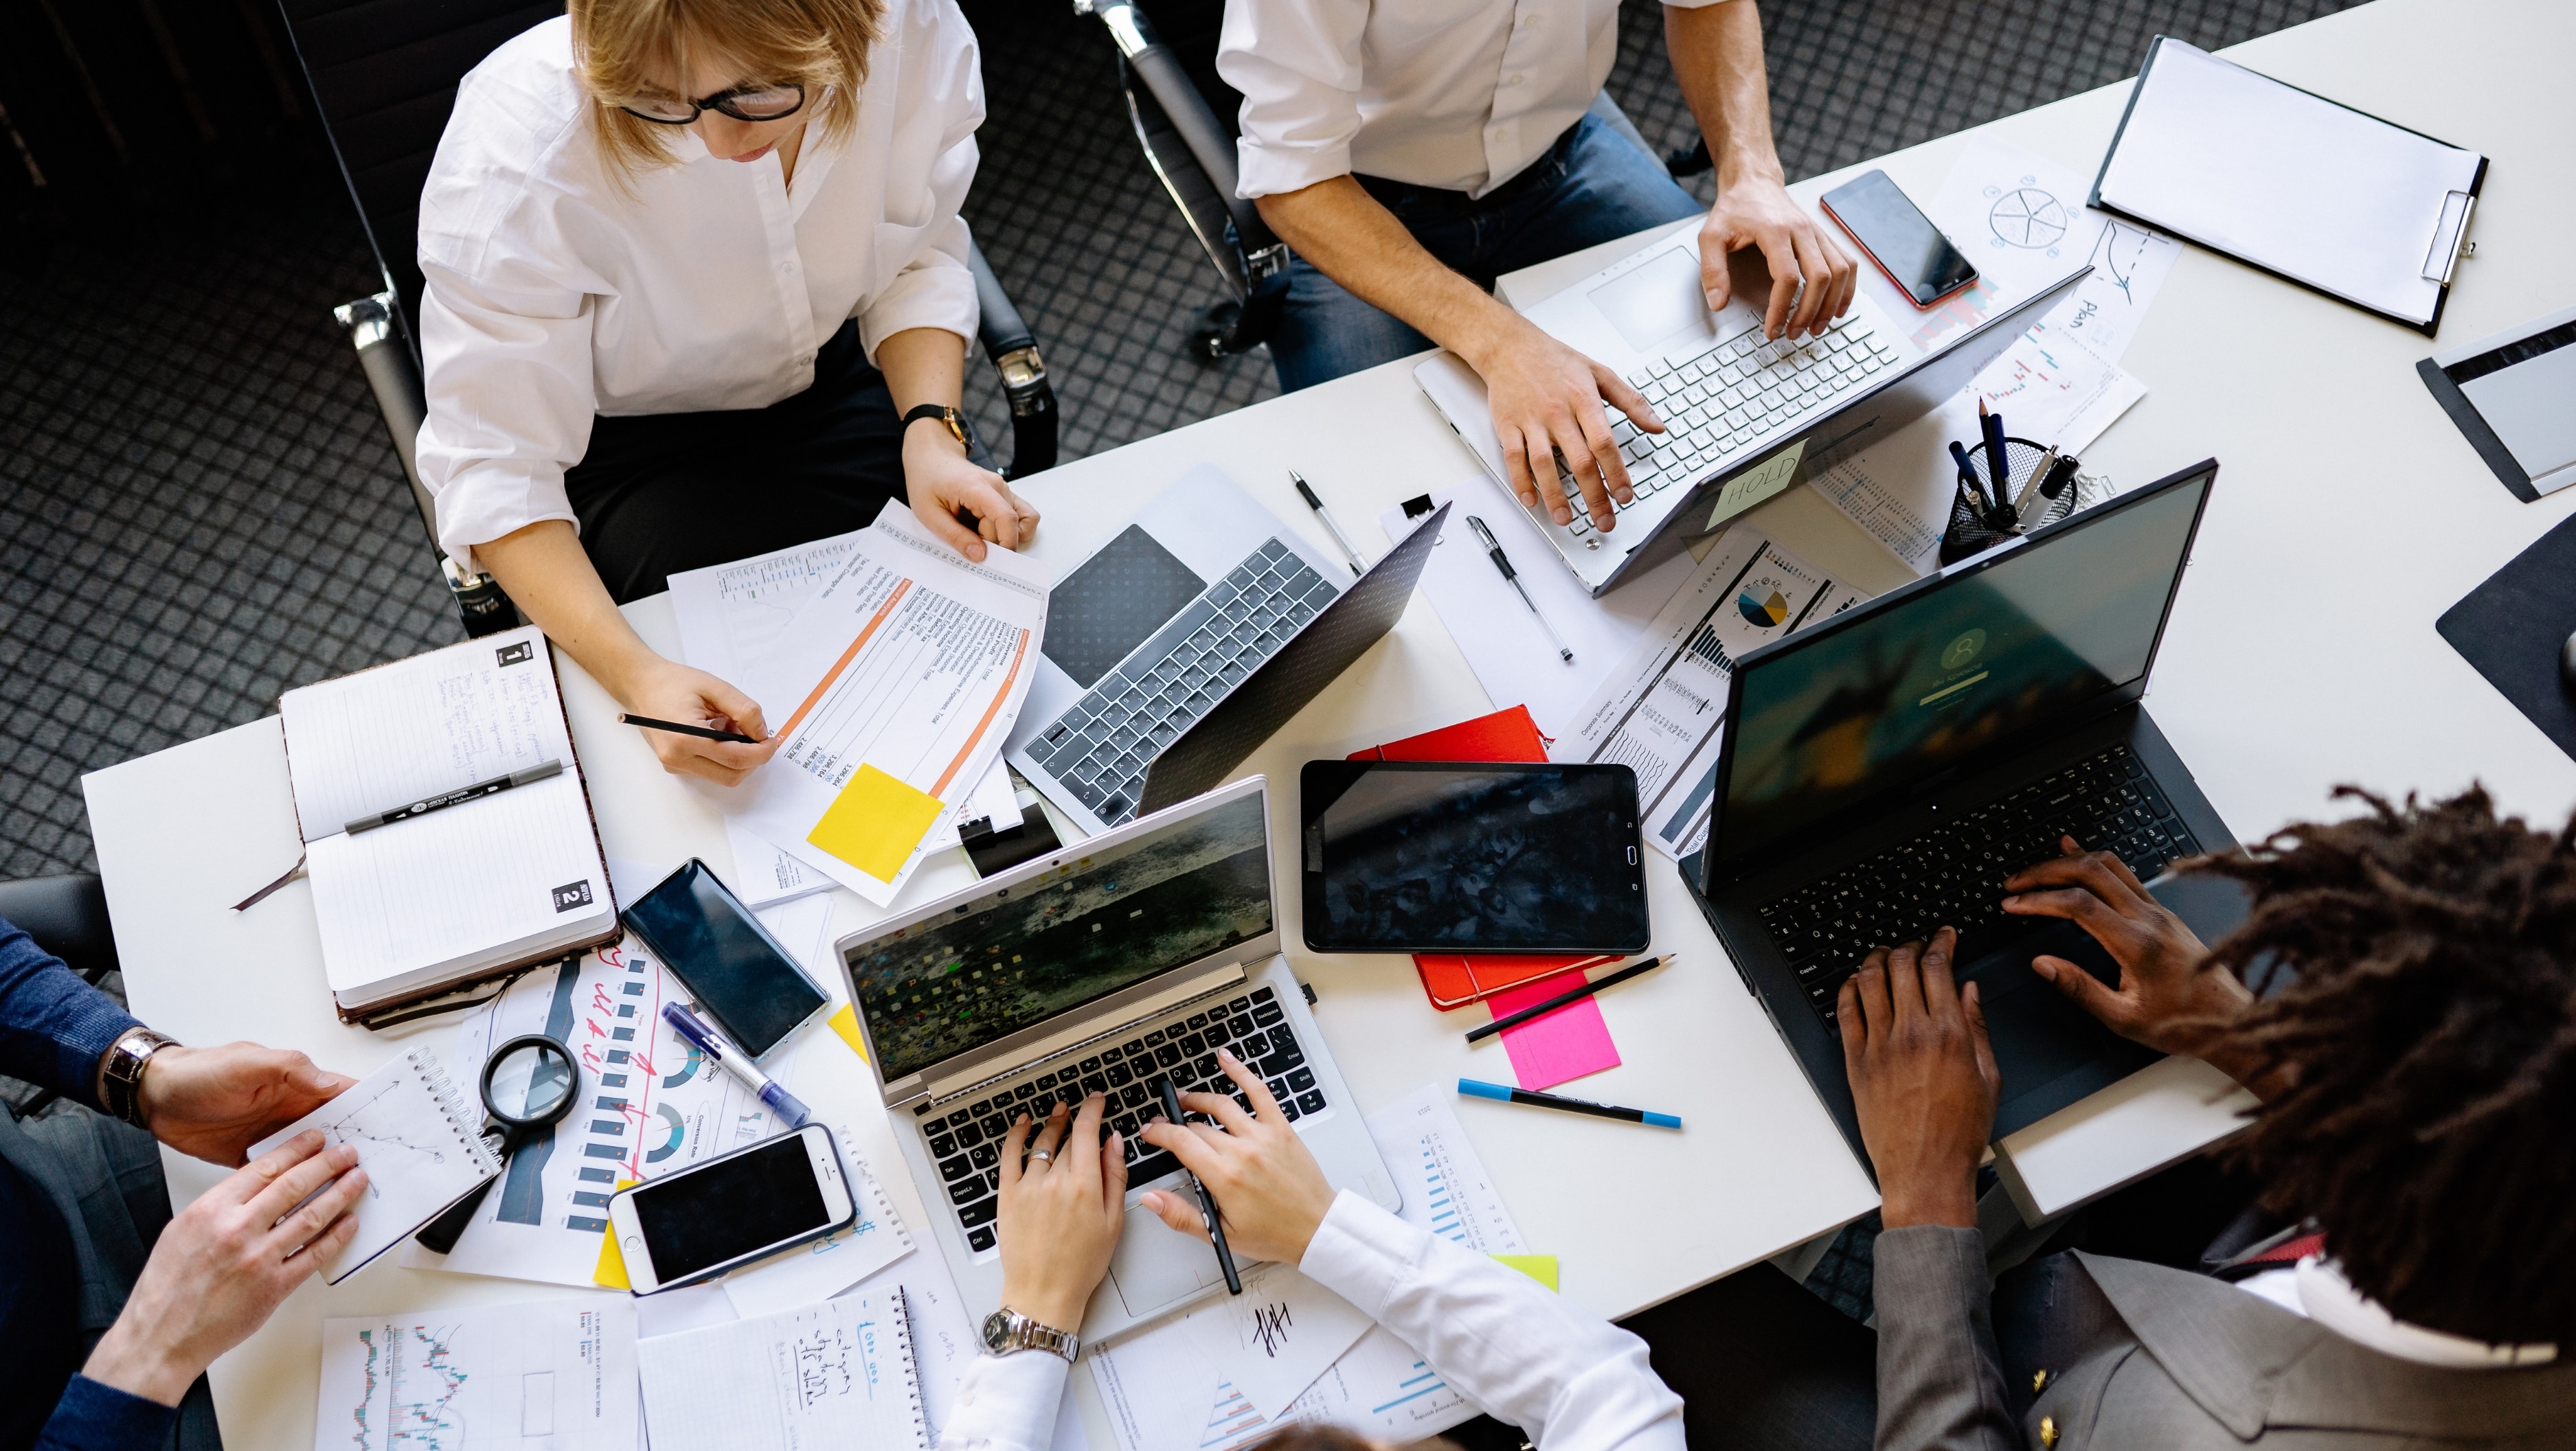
x=875, y=823
x=611, y=1270
x=1758, y=483
x=846, y=1023
x=1541, y=1268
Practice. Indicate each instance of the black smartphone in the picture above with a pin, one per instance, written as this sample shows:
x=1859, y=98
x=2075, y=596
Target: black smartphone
x=738, y=973
x=1898, y=239
x=1428, y=856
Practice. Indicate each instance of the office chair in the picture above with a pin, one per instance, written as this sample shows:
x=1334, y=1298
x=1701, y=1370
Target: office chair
x=384, y=74
x=67, y=915
x=1187, y=120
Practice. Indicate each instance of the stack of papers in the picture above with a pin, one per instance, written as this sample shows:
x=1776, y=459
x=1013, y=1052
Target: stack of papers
x=894, y=669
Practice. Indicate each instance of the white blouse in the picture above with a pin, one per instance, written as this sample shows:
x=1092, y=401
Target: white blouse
x=1568, y=1378
x=1457, y=94
x=555, y=294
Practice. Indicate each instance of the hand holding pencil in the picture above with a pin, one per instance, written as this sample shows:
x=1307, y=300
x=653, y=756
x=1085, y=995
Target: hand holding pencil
x=665, y=693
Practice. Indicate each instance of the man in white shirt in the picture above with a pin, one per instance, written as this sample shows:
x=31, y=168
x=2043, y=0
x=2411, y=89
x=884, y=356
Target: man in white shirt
x=1411, y=153
x=2417, y=1073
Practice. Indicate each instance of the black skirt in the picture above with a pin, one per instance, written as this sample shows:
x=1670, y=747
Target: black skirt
x=666, y=492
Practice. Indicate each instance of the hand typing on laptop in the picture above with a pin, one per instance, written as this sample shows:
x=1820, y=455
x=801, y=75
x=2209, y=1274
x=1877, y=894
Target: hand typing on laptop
x=1268, y=1187
x=1923, y=1079
x=1062, y=1206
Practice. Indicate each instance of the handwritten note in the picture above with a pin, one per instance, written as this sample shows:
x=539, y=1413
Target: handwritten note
x=835, y=1374
x=1277, y=1336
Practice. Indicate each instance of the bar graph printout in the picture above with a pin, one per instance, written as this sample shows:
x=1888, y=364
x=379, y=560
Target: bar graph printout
x=892, y=690
x=558, y=1374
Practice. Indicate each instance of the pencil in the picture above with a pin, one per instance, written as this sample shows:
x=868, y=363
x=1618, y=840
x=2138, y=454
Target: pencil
x=704, y=733
x=1573, y=994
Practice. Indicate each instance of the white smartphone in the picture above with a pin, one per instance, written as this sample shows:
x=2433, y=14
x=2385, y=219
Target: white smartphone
x=731, y=1210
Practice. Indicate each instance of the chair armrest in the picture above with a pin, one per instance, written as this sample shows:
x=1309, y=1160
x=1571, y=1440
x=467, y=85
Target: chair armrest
x=67, y=915
x=1013, y=349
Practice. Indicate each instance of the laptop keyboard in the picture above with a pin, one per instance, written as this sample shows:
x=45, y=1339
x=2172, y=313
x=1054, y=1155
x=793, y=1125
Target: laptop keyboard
x=1953, y=875
x=966, y=1139
x=1715, y=405
x=1100, y=748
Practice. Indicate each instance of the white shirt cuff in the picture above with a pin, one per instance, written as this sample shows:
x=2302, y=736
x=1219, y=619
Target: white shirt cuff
x=936, y=294
x=1007, y=1403
x=1268, y=170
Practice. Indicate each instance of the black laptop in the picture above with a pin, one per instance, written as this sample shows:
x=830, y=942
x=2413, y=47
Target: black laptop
x=1884, y=771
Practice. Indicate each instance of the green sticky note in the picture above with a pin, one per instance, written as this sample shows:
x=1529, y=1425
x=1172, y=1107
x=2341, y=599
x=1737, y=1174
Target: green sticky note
x=1758, y=483
x=1541, y=1268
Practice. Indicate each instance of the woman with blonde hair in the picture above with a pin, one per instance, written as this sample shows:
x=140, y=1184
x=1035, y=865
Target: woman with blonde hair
x=698, y=289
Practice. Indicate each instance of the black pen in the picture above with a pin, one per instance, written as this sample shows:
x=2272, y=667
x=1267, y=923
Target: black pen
x=1340, y=538
x=1968, y=479
x=445, y=799
x=1503, y=562
x=678, y=728
x=1570, y=995
x=1998, y=453
x=1207, y=1201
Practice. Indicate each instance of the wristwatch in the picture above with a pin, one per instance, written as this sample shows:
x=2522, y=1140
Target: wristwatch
x=955, y=422
x=1006, y=1331
x=120, y=1077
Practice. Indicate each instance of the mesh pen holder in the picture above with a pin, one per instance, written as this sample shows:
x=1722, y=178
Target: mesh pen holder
x=1970, y=534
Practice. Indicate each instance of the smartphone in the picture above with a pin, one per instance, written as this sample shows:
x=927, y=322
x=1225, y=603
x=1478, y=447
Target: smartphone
x=1428, y=856
x=732, y=1209
x=1898, y=239
x=738, y=973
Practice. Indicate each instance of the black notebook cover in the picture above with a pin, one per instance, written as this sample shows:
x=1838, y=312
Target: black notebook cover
x=2511, y=627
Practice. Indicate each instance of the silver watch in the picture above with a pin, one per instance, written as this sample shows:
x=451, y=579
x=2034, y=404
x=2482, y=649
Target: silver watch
x=1006, y=1331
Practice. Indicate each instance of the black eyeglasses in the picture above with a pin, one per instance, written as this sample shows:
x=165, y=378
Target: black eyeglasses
x=743, y=103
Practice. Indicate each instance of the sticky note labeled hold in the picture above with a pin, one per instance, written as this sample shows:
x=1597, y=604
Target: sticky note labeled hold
x=611, y=1270
x=875, y=823
x=1758, y=483
x=1541, y=1268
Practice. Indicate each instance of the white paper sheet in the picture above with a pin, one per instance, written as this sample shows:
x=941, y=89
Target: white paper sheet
x=1161, y=1392
x=1272, y=1340
x=418, y=1133
x=558, y=1374
x=2048, y=389
x=829, y=1375
x=1445, y=1187
x=2290, y=181
x=912, y=662
x=1510, y=654
x=1662, y=710
x=2022, y=220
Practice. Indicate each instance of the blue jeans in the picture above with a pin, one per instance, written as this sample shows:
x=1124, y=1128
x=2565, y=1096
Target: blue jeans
x=1591, y=186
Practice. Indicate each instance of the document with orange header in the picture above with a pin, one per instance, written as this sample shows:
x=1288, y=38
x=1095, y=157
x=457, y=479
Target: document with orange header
x=892, y=689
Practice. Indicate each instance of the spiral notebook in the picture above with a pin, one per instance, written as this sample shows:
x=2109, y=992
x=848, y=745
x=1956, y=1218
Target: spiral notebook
x=834, y=1374
x=418, y=1137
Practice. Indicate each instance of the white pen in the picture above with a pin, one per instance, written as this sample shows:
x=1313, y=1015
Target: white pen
x=1348, y=552
x=1503, y=562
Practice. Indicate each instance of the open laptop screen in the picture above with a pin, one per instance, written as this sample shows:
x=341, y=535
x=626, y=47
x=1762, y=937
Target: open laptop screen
x=1871, y=705
x=1020, y=956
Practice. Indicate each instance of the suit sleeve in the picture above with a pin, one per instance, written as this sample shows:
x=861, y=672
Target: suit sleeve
x=1940, y=1378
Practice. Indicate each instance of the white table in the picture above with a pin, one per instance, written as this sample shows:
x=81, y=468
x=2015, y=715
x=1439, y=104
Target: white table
x=2349, y=513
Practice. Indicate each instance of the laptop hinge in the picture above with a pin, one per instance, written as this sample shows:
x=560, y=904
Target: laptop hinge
x=1197, y=985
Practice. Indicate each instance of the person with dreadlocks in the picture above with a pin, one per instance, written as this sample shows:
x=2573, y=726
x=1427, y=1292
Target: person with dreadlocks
x=2418, y=1083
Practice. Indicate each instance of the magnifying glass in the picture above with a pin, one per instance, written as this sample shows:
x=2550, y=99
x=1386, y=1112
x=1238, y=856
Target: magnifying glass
x=528, y=1086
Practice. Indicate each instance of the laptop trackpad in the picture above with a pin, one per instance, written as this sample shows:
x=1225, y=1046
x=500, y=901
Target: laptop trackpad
x=1155, y=1265
x=2050, y=1051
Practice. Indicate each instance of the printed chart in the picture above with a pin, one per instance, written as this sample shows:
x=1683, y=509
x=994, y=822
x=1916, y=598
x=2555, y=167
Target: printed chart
x=558, y=1374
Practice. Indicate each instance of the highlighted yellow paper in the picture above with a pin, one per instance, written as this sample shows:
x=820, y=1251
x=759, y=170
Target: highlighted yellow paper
x=611, y=1270
x=846, y=1023
x=875, y=823
x=1541, y=1268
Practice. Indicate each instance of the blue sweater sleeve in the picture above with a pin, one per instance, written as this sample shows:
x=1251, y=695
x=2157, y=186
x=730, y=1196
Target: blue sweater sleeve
x=94, y=1417
x=53, y=1026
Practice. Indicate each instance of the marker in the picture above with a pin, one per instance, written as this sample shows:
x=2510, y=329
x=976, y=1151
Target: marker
x=1348, y=553
x=1500, y=1094
x=678, y=728
x=1503, y=562
x=1998, y=452
x=2030, y=504
x=1207, y=1201
x=789, y=1109
x=457, y=797
x=1570, y=995
x=1968, y=479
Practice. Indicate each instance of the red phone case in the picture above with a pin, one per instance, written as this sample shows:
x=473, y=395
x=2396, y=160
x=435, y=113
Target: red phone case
x=1893, y=280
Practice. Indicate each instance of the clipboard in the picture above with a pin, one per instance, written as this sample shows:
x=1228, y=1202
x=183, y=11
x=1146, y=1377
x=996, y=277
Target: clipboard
x=2268, y=239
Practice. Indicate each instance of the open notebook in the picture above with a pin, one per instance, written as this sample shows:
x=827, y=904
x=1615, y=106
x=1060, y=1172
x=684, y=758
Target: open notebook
x=457, y=895
x=418, y=1137
x=838, y=1373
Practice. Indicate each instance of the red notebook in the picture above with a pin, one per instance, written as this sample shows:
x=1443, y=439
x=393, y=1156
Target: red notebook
x=1449, y=979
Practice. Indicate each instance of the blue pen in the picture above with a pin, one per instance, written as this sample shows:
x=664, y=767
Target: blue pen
x=1502, y=1094
x=788, y=1108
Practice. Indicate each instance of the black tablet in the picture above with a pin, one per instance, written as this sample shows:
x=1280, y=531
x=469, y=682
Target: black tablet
x=1428, y=856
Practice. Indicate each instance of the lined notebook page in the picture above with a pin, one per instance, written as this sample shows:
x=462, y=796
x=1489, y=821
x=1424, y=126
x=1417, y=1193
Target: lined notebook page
x=372, y=741
x=419, y=1139
x=835, y=1374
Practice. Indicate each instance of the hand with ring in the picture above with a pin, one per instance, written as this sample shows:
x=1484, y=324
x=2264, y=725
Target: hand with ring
x=1060, y=1213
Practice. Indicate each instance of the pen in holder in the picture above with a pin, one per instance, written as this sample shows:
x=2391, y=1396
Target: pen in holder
x=1973, y=533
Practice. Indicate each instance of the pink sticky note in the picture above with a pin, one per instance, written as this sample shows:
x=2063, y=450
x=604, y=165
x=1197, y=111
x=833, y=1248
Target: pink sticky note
x=1555, y=1047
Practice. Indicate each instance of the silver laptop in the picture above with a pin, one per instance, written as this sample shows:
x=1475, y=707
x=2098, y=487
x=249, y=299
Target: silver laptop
x=1730, y=400
x=1103, y=967
x=1186, y=641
